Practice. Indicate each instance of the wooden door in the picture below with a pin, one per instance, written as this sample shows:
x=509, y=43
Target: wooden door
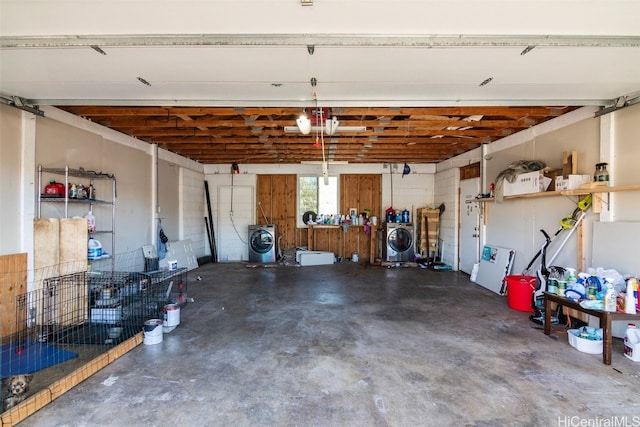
x=276, y=196
x=360, y=192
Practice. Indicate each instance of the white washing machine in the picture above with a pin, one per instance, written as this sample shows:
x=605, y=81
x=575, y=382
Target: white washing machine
x=399, y=242
x=263, y=243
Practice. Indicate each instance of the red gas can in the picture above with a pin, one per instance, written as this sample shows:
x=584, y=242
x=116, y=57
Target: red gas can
x=54, y=189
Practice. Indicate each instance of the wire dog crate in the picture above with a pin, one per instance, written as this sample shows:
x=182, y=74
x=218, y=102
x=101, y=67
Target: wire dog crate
x=98, y=307
x=58, y=332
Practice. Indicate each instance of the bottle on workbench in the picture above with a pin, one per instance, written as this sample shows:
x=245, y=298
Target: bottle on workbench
x=609, y=297
x=629, y=298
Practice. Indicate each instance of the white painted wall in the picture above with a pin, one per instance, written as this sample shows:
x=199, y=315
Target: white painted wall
x=10, y=173
x=61, y=139
x=169, y=193
x=236, y=212
x=447, y=184
x=626, y=162
x=192, y=210
x=413, y=191
x=517, y=223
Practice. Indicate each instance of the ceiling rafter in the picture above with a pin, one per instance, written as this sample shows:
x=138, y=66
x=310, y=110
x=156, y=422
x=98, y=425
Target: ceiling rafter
x=227, y=134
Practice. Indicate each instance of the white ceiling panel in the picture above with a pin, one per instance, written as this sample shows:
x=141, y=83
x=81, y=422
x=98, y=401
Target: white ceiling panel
x=572, y=17
x=344, y=74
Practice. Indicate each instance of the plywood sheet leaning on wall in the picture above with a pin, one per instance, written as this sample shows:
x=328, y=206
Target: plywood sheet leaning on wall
x=46, y=250
x=73, y=245
x=13, y=283
x=60, y=249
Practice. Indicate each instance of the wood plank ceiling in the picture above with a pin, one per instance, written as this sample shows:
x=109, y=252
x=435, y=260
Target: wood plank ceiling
x=221, y=135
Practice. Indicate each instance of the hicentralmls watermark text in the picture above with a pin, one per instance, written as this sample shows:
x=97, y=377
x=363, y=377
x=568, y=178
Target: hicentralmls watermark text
x=577, y=421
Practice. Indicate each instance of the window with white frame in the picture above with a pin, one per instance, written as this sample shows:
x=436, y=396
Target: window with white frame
x=315, y=196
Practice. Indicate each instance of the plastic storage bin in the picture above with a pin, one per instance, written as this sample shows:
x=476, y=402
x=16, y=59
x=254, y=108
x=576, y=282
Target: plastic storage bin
x=583, y=344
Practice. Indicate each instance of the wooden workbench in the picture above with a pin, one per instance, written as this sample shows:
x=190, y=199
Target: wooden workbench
x=335, y=239
x=605, y=320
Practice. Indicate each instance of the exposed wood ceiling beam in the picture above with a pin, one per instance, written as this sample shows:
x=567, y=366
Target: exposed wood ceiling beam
x=256, y=134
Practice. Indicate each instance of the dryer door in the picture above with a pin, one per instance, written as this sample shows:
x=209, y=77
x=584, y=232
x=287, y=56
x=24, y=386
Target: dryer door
x=400, y=240
x=261, y=241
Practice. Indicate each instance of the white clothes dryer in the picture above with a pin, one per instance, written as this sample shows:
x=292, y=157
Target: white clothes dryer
x=399, y=242
x=263, y=243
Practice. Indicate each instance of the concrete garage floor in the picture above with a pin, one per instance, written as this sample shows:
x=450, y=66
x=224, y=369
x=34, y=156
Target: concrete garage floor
x=350, y=345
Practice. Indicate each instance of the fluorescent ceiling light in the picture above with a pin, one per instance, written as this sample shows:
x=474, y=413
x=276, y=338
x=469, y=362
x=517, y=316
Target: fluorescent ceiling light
x=295, y=129
x=318, y=162
x=332, y=125
x=304, y=125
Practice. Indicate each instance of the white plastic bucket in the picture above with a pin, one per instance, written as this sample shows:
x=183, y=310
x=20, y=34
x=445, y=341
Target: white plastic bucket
x=171, y=316
x=152, y=332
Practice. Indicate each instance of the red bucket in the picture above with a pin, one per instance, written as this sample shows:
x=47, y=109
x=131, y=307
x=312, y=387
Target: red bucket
x=520, y=292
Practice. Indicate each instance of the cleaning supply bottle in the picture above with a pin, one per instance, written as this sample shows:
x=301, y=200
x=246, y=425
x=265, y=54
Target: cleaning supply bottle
x=629, y=299
x=632, y=343
x=592, y=290
x=405, y=216
x=94, y=248
x=609, y=297
x=634, y=286
x=91, y=222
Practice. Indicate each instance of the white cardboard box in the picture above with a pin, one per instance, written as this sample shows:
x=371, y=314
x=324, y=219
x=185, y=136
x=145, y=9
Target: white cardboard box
x=530, y=182
x=571, y=182
x=306, y=258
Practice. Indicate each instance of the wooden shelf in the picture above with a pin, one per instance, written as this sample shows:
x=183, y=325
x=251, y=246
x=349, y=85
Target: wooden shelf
x=520, y=196
x=603, y=189
x=577, y=192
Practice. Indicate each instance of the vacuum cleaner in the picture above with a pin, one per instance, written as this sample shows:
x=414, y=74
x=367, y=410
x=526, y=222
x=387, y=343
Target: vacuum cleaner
x=570, y=222
x=542, y=278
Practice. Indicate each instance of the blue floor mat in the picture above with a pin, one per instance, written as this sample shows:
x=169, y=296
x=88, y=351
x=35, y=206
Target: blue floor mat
x=28, y=356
